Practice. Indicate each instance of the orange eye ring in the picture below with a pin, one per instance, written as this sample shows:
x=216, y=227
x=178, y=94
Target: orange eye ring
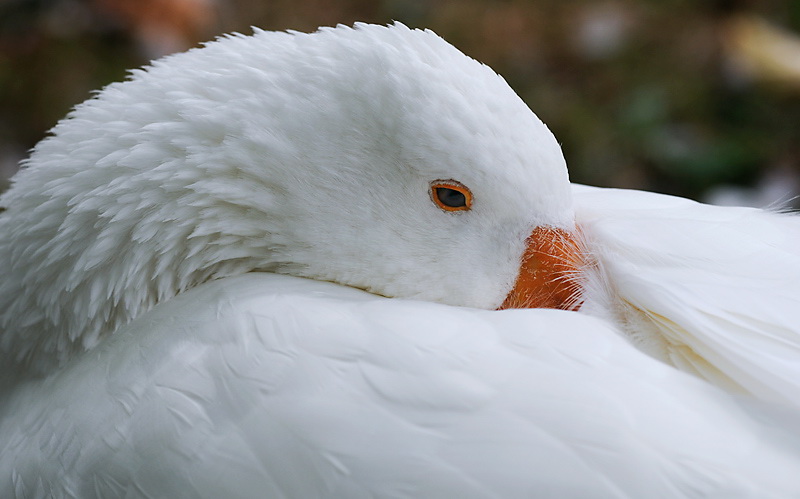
x=450, y=195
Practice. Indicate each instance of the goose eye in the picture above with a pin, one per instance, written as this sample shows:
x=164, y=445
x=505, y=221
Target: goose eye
x=450, y=195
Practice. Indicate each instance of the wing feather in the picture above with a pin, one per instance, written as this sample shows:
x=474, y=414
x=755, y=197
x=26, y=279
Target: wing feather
x=712, y=290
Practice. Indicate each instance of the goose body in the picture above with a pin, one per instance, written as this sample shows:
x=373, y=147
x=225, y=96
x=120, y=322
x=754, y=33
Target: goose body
x=166, y=331
x=290, y=387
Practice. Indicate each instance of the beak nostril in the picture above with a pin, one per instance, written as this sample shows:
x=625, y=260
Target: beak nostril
x=548, y=276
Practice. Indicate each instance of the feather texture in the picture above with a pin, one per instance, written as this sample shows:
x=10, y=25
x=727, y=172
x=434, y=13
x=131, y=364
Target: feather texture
x=714, y=291
x=293, y=388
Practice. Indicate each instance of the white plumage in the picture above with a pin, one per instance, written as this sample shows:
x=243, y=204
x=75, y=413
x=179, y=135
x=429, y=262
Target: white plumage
x=275, y=152
x=711, y=290
x=293, y=388
x=315, y=156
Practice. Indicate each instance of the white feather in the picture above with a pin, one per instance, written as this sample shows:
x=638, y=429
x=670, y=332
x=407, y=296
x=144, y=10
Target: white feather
x=287, y=387
x=712, y=290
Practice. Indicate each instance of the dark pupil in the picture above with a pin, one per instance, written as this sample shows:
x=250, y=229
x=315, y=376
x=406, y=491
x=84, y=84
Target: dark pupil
x=451, y=197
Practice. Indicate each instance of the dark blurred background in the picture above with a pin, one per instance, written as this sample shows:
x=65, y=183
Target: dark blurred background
x=700, y=99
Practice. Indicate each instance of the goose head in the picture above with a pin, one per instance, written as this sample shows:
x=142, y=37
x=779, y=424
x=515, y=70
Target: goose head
x=376, y=157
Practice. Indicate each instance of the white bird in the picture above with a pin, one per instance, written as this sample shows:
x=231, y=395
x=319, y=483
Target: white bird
x=378, y=158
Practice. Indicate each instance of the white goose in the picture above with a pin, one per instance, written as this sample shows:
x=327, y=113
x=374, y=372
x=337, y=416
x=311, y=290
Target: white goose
x=378, y=158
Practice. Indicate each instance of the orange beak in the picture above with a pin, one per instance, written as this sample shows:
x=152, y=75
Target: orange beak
x=550, y=273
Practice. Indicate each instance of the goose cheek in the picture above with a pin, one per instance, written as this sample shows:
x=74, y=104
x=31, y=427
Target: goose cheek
x=549, y=274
